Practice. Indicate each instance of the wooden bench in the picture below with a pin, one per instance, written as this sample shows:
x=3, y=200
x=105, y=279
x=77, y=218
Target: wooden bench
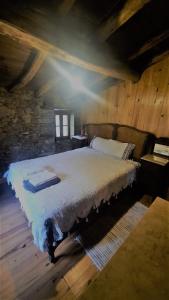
x=140, y=269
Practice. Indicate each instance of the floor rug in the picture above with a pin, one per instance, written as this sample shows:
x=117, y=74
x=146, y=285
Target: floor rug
x=101, y=252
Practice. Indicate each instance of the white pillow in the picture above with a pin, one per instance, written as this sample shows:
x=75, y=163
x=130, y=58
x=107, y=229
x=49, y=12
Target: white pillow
x=112, y=147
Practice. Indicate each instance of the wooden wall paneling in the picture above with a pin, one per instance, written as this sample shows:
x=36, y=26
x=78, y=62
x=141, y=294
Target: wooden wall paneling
x=150, y=94
x=161, y=81
x=101, y=106
x=160, y=77
x=109, y=103
x=137, y=104
x=123, y=104
x=147, y=96
x=154, y=82
x=129, y=103
x=119, y=102
x=105, y=106
x=85, y=112
x=95, y=109
x=114, y=104
x=131, y=109
x=163, y=126
x=144, y=105
x=133, y=103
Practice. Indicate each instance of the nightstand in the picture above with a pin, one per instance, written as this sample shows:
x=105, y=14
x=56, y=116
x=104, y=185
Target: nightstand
x=79, y=141
x=153, y=175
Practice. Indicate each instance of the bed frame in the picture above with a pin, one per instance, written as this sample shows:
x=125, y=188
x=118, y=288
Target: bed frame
x=51, y=243
x=144, y=142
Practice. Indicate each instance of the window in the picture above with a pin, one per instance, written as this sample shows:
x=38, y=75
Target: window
x=64, y=122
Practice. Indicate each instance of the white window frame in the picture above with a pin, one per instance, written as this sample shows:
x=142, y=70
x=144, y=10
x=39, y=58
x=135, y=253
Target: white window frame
x=60, y=124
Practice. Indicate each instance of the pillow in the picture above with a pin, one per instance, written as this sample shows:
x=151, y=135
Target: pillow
x=112, y=147
x=128, y=151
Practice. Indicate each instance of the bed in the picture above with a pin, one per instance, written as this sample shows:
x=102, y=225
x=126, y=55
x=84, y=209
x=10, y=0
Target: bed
x=88, y=178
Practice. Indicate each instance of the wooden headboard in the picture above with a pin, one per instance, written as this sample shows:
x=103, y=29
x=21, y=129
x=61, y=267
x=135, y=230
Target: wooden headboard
x=107, y=131
x=144, y=141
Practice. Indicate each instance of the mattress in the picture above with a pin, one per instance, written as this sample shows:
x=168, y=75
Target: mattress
x=87, y=178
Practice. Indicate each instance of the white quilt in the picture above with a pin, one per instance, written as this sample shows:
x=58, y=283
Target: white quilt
x=87, y=177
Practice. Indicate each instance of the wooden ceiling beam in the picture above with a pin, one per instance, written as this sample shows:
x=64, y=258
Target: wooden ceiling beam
x=130, y=8
x=26, y=76
x=26, y=38
x=65, y=7
x=158, y=58
x=150, y=44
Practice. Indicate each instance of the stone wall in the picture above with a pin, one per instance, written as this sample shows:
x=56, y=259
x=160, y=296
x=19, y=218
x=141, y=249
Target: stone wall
x=27, y=128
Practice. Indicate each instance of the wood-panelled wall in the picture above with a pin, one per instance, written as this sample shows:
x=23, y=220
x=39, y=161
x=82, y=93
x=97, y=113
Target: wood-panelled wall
x=144, y=105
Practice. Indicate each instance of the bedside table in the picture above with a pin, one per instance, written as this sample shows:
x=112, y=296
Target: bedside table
x=153, y=175
x=79, y=141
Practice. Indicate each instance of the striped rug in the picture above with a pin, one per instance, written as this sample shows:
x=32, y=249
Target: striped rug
x=101, y=252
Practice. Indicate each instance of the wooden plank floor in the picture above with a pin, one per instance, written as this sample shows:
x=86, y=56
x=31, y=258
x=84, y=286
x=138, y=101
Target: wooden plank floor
x=25, y=272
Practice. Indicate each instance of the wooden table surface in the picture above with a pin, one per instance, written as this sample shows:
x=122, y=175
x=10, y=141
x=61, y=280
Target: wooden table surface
x=156, y=159
x=140, y=269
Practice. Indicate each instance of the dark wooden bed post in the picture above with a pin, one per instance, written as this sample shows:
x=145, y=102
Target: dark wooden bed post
x=51, y=243
x=50, y=240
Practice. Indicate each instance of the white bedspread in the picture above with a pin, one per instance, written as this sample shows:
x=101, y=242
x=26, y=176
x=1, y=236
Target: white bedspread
x=87, y=177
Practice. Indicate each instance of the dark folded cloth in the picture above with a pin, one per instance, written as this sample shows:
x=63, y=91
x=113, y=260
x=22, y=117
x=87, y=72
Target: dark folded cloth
x=31, y=188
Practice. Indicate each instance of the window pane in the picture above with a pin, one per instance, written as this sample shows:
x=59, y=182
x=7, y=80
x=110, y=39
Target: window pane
x=57, y=120
x=65, y=130
x=72, y=125
x=65, y=119
x=57, y=131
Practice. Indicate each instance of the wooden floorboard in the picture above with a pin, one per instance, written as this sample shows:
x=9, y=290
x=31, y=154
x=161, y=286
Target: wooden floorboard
x=25, y=271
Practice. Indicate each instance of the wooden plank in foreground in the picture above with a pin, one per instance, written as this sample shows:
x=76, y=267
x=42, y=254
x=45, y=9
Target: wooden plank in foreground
x=139, y=269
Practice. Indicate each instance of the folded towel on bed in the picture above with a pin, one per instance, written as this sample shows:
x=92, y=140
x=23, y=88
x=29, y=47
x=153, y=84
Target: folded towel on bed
x=40, y=177
x=40, y=180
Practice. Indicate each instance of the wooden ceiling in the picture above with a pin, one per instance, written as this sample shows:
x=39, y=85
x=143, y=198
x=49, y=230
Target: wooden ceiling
x=102, y=42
